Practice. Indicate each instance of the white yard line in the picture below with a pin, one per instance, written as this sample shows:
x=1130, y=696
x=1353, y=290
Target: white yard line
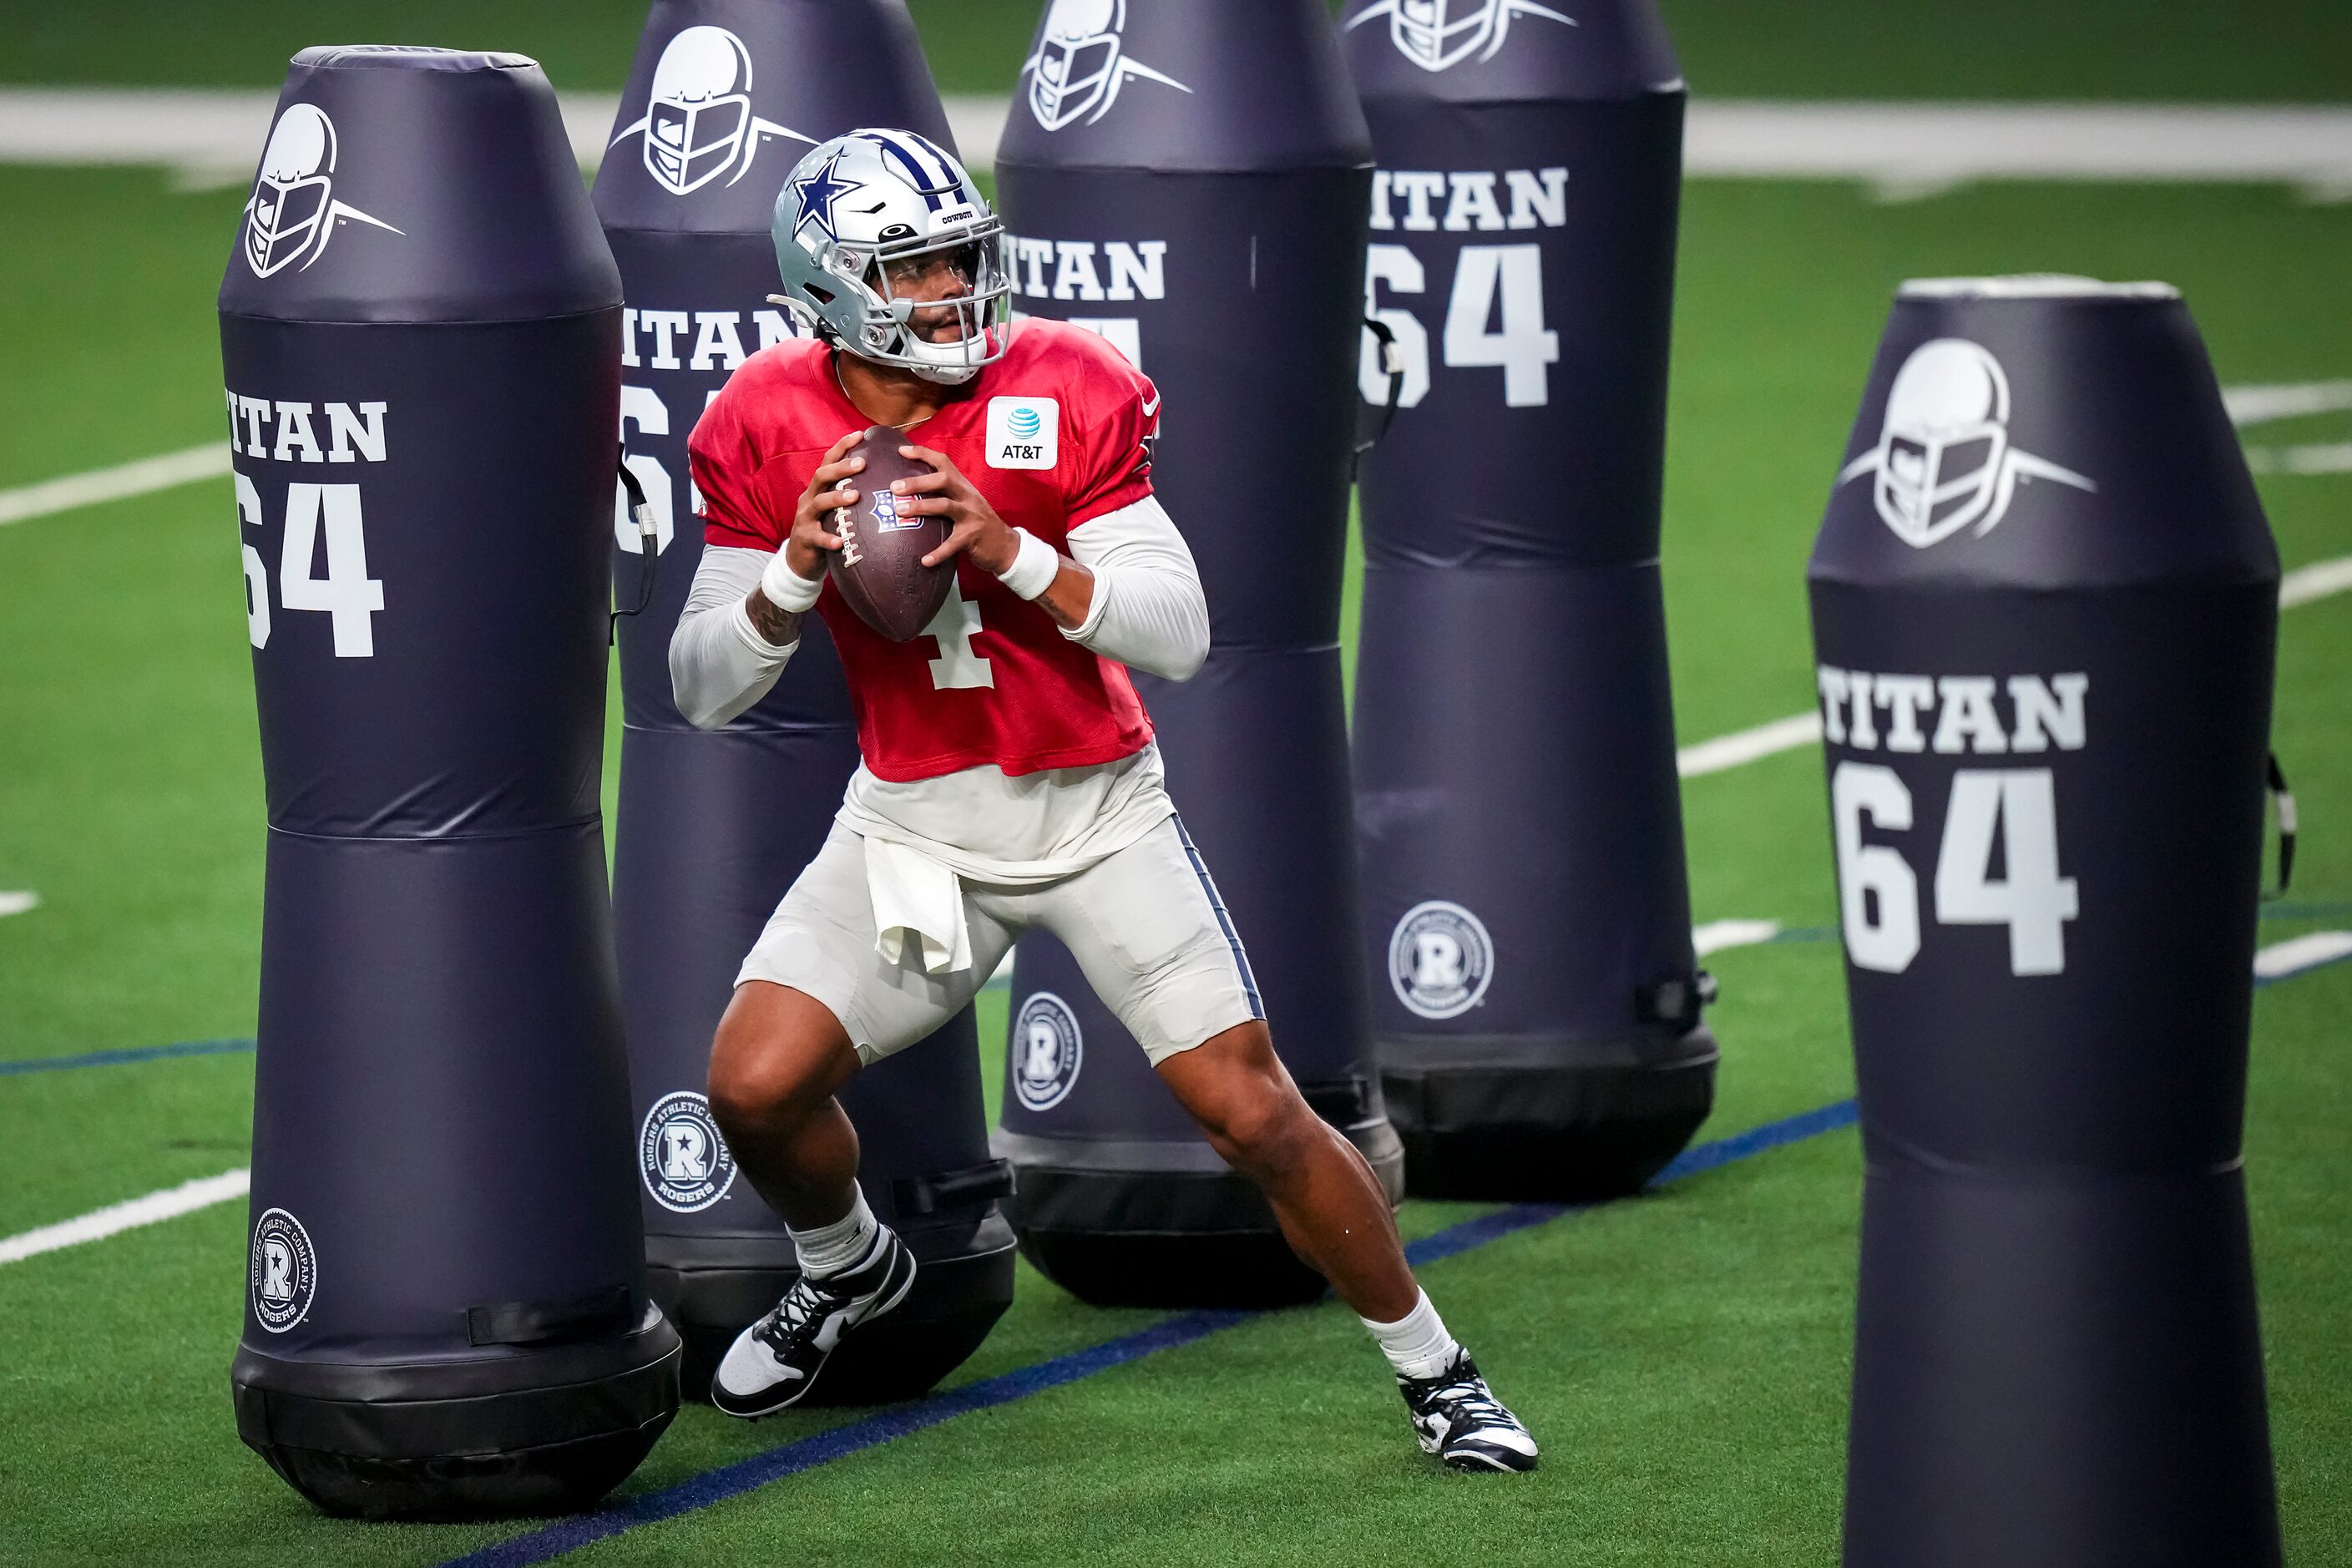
x=148, y=474
x=18, y=903
x=2329, y=457
x=168, y=1204
x=1725, y=751
x=1910, y=149
x=2306, y=583
x=1716, y=935
x=2286, y=400
x=213, y=138
x=2282, y=960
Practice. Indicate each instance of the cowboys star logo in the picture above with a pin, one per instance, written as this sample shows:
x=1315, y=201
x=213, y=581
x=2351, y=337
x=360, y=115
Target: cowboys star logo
x=817, y=190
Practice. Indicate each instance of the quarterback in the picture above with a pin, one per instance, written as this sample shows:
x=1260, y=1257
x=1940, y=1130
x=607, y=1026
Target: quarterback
x=1009, y=775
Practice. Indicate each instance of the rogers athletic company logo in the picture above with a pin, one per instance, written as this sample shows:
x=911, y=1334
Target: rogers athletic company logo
x=685, y=1162
x=293, y=213
x=1437, y=35
x=1440, y=960
x=1081, y=63
x=1944, y=458
x=283, y=1271
x=1048, y=1050
x=698, y=122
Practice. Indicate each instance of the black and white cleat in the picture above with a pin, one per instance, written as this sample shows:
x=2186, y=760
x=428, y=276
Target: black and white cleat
x=775, y=1363
x=1457, y=1417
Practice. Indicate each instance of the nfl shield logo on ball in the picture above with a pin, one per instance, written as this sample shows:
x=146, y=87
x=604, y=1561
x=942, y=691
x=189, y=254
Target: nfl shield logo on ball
x=283, y=1271
x=886, y=514
x=1046, y=1051
x=685, y=1164
x=1440, y=960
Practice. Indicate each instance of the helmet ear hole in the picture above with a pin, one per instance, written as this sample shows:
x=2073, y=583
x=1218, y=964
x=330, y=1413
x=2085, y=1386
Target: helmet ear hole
x=818, y=292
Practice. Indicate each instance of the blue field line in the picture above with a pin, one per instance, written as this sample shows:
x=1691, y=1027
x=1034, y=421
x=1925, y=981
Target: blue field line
x=127, y=1054
x=899, y=1421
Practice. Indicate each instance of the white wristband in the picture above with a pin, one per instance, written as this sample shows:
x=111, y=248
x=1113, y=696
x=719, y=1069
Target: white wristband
x=1034, y=569
x=787, y=589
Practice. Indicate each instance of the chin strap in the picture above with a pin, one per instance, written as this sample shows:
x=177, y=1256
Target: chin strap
x=640, y=512
x=801, y=309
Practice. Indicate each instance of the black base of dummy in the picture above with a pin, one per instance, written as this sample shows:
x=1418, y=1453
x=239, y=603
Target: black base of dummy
x=714, y=1286
x=1548, y=1121
x=541, y=1431
x=1140, y=1224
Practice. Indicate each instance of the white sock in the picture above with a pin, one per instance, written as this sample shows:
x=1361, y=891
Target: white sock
x=1416, y=1344
x=844, y=1244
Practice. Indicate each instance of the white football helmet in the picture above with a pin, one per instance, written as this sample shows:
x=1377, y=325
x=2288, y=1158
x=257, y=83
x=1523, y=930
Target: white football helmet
x=1946, y=436
x=864, y=208
x=1437, y=35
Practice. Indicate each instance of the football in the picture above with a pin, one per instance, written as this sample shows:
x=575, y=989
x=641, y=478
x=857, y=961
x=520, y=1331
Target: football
x=879, y=567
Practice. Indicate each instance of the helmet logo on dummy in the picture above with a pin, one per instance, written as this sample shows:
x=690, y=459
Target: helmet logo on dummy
x=1081, y=64
x=1944, y=458
x=293, y=212
x=1436, y=34
x=1046, y=1051
x=283, y=1271
x=697, y=123
x=1440, y=960
x=685, y=1163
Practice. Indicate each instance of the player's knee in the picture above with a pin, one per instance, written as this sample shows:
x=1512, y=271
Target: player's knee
x=757, y=1087
x=1263, y=1126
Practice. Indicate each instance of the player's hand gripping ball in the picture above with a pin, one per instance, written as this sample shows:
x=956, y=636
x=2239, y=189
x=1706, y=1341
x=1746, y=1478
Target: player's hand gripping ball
x=879, y=567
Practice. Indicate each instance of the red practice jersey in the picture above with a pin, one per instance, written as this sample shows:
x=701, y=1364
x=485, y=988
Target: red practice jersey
x=1054, y=434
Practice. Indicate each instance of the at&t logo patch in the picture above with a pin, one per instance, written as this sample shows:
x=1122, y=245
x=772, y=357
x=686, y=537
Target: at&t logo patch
x=1440, y=960
x=1023, y=432
x=685, y=1164
x=1047, y=1048
x=283, y=1271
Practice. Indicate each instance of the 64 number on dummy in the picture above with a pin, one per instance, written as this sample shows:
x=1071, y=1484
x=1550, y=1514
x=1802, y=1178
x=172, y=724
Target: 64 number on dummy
x=1994, y=816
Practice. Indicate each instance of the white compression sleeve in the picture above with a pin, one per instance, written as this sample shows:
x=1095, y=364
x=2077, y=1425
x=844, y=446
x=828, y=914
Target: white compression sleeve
x=718, y=664
x=1147, y=610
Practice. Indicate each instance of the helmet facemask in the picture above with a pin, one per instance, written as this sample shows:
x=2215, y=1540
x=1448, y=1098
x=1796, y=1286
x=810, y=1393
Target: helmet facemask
x=285, y=218
x=1939, y=481
x=687, y=144
x=869, y=299
x=1073, y=74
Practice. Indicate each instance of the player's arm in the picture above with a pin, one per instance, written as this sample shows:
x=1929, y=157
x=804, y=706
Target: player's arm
x=743, y=617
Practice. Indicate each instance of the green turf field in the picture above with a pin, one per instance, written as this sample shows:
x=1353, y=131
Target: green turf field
x=1683, y=1357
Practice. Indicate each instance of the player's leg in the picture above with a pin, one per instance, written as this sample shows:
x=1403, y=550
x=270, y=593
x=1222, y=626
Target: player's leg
x=1332, y=1208
x=1157, y=944
x=814, y=1001
x=779, y=1057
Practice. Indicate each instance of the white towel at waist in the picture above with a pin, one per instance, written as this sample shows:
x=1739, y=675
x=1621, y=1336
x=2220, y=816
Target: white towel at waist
x=915, y=896
x=1022, y=832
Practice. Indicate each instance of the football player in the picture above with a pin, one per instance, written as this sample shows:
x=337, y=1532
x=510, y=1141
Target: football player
x=1009, y=775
